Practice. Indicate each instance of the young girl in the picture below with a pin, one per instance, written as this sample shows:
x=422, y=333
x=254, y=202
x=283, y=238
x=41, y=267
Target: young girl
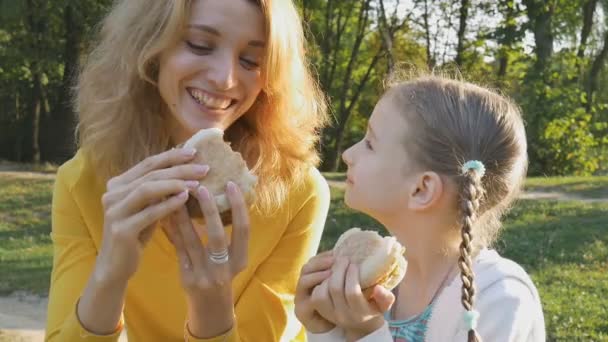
x=440, y=163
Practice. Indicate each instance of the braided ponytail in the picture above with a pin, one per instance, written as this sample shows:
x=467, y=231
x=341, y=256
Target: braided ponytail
x=472, y=193
x=449, y=122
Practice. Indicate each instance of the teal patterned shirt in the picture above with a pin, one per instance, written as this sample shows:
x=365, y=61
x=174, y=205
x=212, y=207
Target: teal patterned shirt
x=412, y=329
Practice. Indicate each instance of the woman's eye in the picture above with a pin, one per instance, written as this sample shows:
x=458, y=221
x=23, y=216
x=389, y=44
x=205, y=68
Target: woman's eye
x=368, y=144
x=198, y=48
x=249, y=64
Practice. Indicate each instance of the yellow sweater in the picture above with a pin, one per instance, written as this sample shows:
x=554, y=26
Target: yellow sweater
x=155, y=307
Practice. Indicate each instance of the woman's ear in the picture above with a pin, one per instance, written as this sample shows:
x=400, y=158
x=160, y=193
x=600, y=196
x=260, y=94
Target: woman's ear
x=426, y=191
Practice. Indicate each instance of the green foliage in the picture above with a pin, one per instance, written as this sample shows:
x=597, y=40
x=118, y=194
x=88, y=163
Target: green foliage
x=567, y=129
x=564, y=138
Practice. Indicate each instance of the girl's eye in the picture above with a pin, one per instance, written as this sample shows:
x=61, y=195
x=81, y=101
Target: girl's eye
x=368, y=144
x=198, y=48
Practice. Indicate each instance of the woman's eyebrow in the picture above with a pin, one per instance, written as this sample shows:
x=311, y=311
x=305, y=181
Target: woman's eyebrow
x=213, y=31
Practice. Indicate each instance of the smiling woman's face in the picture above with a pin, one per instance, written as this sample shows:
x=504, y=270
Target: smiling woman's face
x=212, y=76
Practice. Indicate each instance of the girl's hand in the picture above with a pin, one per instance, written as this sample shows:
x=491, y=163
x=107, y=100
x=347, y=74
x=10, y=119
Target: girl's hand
x=313, y=273
x=341, y=301
x=207, y=271
x=134, y=202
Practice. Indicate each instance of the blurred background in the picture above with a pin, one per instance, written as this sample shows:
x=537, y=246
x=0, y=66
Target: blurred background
x=550, y=56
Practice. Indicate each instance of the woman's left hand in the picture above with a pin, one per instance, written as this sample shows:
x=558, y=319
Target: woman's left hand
x=207, y=271
x=340, y=300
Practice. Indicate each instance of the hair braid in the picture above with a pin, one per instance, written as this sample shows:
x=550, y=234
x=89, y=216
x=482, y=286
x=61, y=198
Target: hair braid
x=471, y=196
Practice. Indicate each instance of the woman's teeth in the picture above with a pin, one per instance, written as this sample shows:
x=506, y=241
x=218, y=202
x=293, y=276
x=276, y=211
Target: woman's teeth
x=210, y=101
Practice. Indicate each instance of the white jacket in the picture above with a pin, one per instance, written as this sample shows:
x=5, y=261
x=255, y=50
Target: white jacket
x=506, y=298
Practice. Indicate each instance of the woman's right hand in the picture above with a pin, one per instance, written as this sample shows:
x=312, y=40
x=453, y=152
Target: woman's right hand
x=314, y=272
x=135, y=201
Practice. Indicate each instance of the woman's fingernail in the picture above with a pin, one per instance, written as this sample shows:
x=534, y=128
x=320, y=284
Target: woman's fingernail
x=201, y=169
x=192, y=184
x=203, y=193
x=188, y=152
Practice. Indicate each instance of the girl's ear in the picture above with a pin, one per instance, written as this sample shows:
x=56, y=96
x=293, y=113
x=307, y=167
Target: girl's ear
x=426, y=191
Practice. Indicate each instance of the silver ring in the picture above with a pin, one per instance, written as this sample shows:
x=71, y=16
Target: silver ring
x=220, y=257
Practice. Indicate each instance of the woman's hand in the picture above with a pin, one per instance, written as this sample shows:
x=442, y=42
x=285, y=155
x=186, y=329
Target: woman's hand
x=313, y=273
x=340, y=300
x=207, y=271
x=134, y=202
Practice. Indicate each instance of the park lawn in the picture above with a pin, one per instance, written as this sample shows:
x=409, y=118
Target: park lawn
x=589, y=187
x=563, y=245
x=25, y=244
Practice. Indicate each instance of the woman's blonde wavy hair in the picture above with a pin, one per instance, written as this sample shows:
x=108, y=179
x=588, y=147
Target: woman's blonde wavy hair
x=122, y=118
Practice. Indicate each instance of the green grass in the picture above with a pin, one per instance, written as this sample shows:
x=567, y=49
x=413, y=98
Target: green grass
x=563, y=245
x=590, y=187
x=25, y=224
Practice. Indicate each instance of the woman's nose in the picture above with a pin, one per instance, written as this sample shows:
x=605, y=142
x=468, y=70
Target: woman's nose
x=222, y=74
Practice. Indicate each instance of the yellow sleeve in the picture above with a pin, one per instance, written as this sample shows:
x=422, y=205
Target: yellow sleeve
x=74, y=256
x=265, y=310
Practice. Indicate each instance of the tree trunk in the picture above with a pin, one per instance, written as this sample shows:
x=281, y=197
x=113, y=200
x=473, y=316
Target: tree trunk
x=596, y=68
x=35, y=117
x=60, y=138
x=430, y=60
x=387, y=34
x=343, y=111
x=37, y=25
x=506, y=42
x=344, y=115
x=588, y=11
x=540, y=13
x=462, y=27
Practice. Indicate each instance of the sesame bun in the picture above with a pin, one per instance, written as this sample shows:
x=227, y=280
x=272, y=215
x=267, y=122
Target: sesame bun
x=380, y=259
x=225, y=165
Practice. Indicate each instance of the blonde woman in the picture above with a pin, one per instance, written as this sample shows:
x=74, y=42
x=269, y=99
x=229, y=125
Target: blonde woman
x=160, y=71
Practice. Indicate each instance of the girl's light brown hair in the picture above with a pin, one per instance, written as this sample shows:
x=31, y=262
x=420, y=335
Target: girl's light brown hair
x=122, y=118
x=454, y=122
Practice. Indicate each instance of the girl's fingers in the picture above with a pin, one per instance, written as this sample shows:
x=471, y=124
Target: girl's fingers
x=239, y=244
x=352, y=290
x=320, y=262
x=336, y=283
x=308, y=281
x=192, y=245
x=322, y=301
x=159, y=161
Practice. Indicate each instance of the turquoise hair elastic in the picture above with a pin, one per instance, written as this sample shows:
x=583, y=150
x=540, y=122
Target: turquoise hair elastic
x=470, y=319
x=474, y=165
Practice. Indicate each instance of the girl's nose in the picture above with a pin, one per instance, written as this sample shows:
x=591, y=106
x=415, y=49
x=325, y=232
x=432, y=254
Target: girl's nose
x=347, y=156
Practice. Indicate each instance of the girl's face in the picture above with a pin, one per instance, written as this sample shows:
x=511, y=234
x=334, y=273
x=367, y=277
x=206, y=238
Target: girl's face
x=212, y=76
x=380, y=174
